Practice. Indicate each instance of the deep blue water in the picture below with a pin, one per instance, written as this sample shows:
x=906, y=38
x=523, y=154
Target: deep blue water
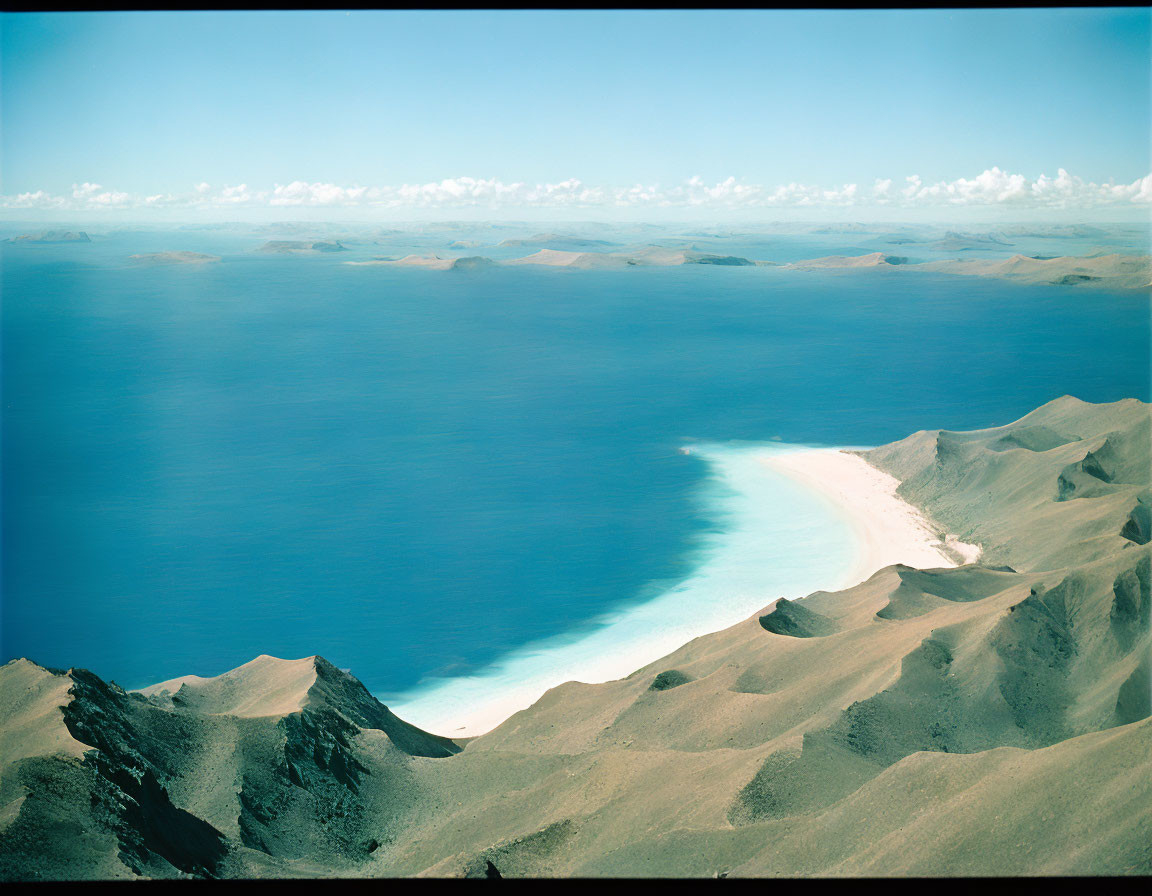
x=414, y=472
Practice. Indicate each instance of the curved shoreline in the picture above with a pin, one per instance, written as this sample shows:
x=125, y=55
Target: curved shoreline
x=795, y=520
x=889, y=529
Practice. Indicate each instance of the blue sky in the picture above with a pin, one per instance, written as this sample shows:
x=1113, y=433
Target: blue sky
x=138, y=105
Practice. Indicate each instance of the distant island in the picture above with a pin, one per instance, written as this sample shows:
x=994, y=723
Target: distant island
x=431, y=262
x=300, y=247
x=558, y=241
x=650, y=257
x=1113, y=271
x=52, y=236
x=967, y=242
x=161, y=258
x=1104, y=270
x=653, y=256
x=973, y=254
x=872, y=260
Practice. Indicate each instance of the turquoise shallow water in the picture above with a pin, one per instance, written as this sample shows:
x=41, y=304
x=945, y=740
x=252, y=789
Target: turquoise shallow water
x=418, y=473
x=771, y=537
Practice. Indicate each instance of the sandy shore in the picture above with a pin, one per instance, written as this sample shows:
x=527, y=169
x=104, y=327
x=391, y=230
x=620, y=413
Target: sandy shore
x=739, y=575
x=889, y=529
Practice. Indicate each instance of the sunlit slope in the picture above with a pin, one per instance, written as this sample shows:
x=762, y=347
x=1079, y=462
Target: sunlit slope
x=1041, y=493
x=987, y=719
x=962, y=702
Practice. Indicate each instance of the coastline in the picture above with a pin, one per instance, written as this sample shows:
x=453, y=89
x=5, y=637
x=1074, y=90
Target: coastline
x=795, y=520
x=889, y=530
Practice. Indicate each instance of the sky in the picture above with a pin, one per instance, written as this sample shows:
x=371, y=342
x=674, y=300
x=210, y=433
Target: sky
x=600, y=114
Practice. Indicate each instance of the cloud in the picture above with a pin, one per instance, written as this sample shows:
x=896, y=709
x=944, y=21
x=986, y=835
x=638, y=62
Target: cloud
x=238, y=195
x=95, y=196
x=1144, y=189
x=996, y=187
x=301, y=193
x=991, y=188
x=39, y=199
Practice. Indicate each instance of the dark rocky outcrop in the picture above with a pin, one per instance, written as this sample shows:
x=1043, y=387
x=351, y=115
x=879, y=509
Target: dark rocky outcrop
x=1138, y=527
x=793, y=619
x=665, y=681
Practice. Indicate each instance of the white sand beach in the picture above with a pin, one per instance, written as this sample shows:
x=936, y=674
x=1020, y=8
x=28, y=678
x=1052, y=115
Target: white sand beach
x=889, y=529
x=796, y=520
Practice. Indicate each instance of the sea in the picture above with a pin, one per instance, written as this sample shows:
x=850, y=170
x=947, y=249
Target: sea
x=465, y=484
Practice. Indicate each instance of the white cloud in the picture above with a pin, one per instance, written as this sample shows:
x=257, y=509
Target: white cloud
x=39, y=199
x=996, y=187
x=1144, y=189
x=990, y=188
x=301, y=193
x=95, y=196
x=993, y=187
x=82, y=191
x=238, y=195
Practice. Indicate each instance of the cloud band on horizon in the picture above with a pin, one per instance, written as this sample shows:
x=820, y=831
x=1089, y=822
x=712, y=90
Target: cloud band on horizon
x=993, y=187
